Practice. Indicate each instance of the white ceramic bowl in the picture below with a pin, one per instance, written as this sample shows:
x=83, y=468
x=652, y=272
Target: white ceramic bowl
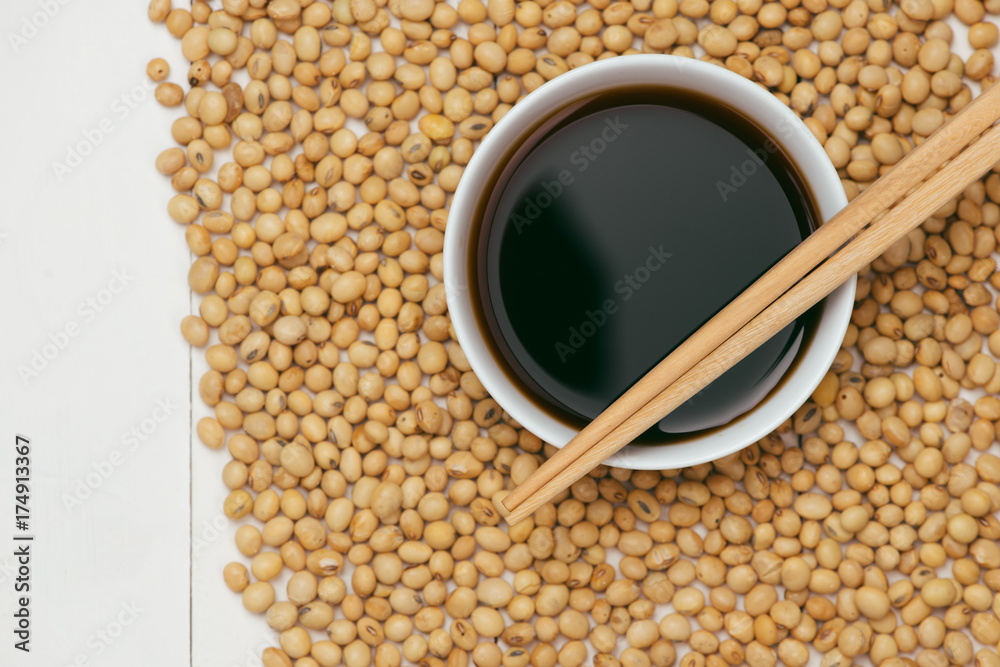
x=675, y=72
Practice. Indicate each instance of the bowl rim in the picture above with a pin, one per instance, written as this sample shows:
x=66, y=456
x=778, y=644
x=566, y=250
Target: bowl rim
x=763, y=109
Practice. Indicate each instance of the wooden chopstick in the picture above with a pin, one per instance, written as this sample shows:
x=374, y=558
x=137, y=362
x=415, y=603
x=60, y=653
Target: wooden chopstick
x=565, y=467
x=913, y=169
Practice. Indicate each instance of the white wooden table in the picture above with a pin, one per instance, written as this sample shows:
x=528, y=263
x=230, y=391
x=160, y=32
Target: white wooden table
x=130, y=537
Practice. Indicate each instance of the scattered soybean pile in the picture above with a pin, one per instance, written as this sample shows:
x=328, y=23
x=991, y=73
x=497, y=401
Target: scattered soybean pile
x=318, y=146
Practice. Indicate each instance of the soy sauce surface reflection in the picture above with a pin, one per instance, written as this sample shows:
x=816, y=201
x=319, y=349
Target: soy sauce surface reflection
x=623, y=230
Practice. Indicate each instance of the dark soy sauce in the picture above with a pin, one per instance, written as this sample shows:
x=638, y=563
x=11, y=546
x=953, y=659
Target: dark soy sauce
x=613, y=235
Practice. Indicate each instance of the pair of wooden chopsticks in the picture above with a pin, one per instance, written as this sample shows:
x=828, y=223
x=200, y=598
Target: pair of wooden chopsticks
x=894, y=205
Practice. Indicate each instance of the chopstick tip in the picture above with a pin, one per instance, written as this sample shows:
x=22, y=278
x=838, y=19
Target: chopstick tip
x=515, y=518
x=507, y=507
